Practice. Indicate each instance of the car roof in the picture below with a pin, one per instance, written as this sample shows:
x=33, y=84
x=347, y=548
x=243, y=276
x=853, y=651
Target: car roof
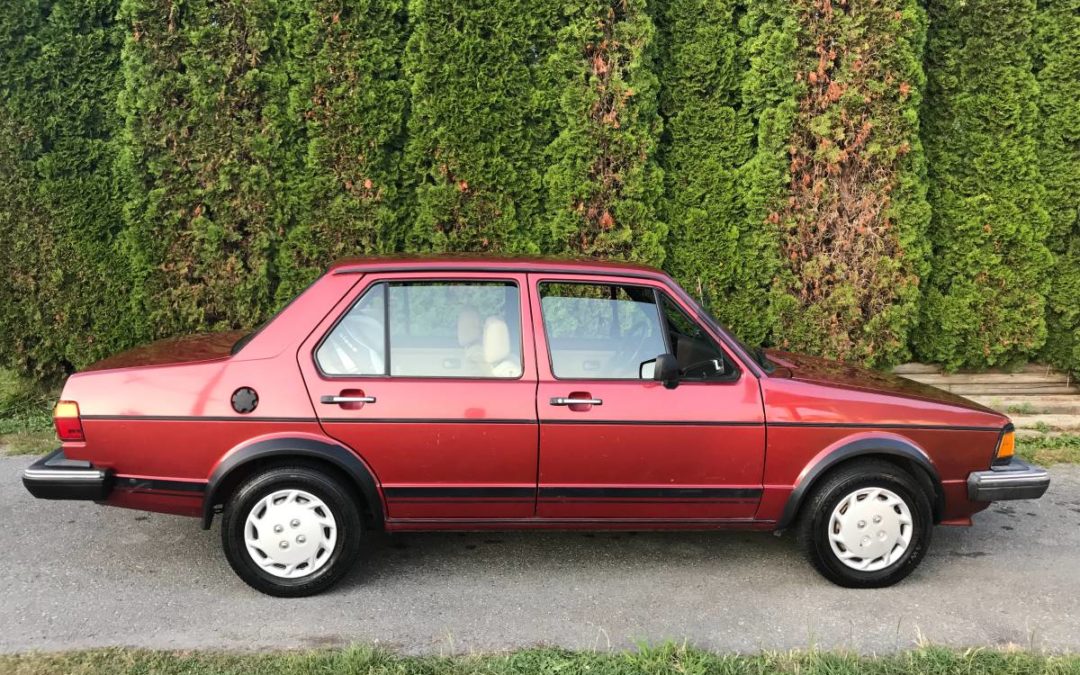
x=488, y=263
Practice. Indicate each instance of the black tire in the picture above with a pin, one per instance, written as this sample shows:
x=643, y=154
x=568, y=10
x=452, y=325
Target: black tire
x=816, y=513
x=333, y=493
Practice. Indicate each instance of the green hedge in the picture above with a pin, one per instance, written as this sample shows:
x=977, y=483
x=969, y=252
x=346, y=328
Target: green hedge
x=479, y=124
x=1057, y=59
x=63, y=286
x=205, y=161
x=603, y=181
x=719, y=244
x=168, y=167
x=346, y=111
x=853, y=232
x=986, y=300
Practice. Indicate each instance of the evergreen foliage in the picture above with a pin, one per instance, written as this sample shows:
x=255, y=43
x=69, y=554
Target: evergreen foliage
x=853, y=231
x=603, y=181
x=1058, y=69
x=716, y=249
x=175, y=166
x=62, y=291
x=351, y=97
x=986, y=298
x=480, y=120
x=205, y=160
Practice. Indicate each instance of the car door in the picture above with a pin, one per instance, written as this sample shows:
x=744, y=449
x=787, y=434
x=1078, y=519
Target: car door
x=616, y=445
x=431, y=379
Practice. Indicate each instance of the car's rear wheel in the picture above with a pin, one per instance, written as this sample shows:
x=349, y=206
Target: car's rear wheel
x=291, y=531
x=866, y=525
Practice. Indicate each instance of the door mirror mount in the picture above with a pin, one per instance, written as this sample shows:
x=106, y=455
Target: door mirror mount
x=665, y=369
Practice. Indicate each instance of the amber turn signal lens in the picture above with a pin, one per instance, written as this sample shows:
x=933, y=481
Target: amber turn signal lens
x=1006, y=447
x=67, y=421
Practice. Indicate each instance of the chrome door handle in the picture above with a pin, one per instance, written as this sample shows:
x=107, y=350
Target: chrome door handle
x=559, y=400
x=335, y=400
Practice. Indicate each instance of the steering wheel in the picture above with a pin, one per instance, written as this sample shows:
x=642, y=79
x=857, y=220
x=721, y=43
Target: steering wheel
x=716, y=364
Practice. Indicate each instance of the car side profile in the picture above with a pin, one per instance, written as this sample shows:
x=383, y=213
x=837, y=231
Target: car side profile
x=472, y=394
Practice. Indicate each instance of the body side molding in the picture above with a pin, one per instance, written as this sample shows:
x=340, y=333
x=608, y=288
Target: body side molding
x=856, y=448
x=336, y=454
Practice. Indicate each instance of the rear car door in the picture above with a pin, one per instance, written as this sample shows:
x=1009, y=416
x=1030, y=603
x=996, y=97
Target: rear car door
x=431, y=379
x=616, y=445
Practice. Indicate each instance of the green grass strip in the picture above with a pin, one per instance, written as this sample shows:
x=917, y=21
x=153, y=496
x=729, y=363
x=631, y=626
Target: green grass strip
x=663, y=660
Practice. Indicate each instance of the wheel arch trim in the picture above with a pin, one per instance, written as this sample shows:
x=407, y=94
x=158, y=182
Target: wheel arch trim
x=301, y=447
x=851, y=448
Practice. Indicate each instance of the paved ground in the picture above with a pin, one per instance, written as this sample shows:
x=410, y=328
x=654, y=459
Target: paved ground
x=76, y=575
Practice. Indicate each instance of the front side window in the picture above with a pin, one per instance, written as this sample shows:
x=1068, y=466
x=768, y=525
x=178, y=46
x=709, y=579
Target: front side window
x=429, y=329
x=600, y=331
x=697, y=355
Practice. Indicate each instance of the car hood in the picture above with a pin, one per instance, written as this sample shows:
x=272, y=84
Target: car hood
x=834, y=373
x=187, y=349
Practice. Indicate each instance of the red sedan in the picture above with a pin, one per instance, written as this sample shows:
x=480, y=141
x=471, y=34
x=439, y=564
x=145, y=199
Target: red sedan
x=450, y=394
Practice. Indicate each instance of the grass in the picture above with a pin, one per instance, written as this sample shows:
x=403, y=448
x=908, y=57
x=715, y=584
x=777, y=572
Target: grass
x=664, y=660
x=1046, y=450
x=1022, y=409
x=25, y=416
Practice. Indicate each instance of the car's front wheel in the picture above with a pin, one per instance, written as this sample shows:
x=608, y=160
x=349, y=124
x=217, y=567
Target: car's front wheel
x=867, y=525
x=291, y=531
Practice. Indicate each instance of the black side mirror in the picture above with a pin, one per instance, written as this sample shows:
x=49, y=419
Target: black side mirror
x=666, y=370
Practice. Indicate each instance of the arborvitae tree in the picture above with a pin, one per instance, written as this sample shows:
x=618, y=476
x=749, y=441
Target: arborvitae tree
x=714, y=249
x=63, y=286
x=603, y=182
x=204, y=159
x=1058, y=69
x=27, y=342
x=351, y=96
x=853, y=231
x=986, y=299
x=479, y=123
x=769, y=31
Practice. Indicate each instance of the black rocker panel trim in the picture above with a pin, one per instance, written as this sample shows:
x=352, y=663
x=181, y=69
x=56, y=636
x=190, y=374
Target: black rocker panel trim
x=590, y=493
x=437, y=493
x=139, y=483
x=883, y=427
x=569, y=493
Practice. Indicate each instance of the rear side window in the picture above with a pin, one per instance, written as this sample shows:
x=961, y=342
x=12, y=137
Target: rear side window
x=357, y=344
x=600, y=331
x=428, y=329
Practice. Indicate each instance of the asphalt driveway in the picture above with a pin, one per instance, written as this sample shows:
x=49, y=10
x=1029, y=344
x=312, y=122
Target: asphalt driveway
x=76, y=575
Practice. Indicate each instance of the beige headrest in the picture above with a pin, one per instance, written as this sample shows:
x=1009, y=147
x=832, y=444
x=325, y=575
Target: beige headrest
x=468, y=327
x=496, y=340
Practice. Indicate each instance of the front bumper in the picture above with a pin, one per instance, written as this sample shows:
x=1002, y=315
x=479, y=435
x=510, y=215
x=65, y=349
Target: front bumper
x=1015, y=480
x=57, y=477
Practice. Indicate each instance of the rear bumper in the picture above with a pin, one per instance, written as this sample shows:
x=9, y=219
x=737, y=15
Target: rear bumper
x=1015, y=480
x=57, y=477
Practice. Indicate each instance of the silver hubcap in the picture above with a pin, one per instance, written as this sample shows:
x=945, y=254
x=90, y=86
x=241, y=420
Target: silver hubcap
x=870, y=529
x=290, y=533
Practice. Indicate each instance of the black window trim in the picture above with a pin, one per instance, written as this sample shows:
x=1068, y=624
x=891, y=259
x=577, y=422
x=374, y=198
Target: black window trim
x=745, y=358
x=383, y=280
x=737, y=372
x=657, y=291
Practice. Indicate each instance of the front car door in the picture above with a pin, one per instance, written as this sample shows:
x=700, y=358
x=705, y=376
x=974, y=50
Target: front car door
x=431, y=379
x=616, y=445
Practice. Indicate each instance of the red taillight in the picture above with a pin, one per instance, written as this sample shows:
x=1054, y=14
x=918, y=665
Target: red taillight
x=67, y=421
